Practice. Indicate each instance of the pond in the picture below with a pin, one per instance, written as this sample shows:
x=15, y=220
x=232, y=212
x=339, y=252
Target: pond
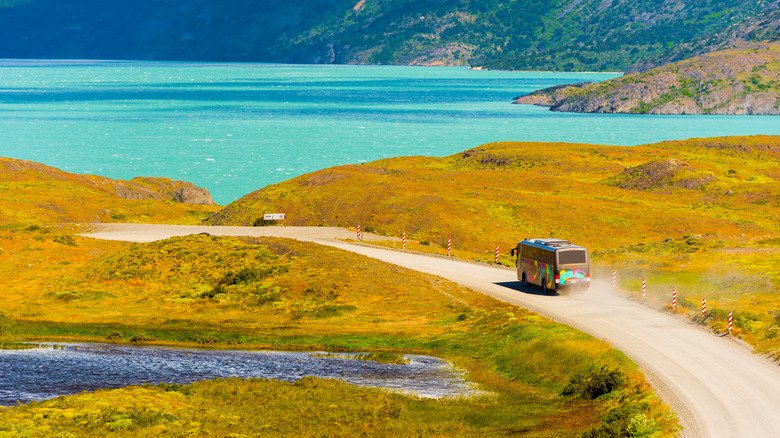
x=58, y=369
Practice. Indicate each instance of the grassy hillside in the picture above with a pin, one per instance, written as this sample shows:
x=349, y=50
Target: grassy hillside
x=33, y=193
x=523, y=34
x=283, y=294
x=734, y=81
x=600, y=196
x=699, y=215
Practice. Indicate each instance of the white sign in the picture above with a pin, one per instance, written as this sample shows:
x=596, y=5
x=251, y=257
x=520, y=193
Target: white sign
x=273, y=217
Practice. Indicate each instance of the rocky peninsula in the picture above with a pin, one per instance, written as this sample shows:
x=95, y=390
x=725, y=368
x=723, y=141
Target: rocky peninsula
x=732, y=81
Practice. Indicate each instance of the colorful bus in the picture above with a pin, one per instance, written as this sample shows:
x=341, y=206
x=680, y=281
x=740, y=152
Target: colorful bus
x=552, y=264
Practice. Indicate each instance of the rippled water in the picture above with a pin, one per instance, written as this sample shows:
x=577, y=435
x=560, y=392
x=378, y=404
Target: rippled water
x=235, y=128
x=47, y=372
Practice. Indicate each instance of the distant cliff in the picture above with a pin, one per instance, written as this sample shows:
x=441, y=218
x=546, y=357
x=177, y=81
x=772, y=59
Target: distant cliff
x=735, y=81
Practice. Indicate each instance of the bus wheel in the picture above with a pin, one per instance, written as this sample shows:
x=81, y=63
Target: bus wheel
x=544, y=286
x=524, y=280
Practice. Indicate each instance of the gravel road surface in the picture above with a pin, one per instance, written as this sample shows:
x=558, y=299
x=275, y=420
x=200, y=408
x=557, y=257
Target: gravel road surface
x=716, y=385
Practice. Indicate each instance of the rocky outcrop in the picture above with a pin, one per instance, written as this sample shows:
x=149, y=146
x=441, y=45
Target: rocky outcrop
x=165, y=189
x=734, y=81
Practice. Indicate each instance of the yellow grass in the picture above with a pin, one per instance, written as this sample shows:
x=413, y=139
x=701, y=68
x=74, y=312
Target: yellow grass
x=32, y=193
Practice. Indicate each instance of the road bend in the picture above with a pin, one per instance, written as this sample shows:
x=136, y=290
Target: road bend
x=714, y=383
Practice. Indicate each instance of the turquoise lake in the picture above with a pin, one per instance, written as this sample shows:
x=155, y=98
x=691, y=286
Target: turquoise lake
x=235, y=128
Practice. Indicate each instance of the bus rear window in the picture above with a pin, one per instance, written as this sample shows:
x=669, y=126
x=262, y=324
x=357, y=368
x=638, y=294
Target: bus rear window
x=572, y=257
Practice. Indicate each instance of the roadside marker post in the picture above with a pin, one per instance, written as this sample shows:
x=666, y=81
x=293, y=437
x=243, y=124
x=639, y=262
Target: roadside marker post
x=644, y=289
x=674, y=299
x=404, y=240
x=358, y=233
x=730, y=320
x=496, y=254
x=703, y=306
x=614, y=280
x=449, y=247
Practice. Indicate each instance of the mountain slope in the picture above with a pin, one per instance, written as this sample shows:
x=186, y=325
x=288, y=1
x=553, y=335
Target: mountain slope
x=523, y=34
x=733, y=81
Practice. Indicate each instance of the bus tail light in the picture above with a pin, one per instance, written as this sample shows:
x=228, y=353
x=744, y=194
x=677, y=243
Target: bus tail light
x=587, y=276
x=557, y=279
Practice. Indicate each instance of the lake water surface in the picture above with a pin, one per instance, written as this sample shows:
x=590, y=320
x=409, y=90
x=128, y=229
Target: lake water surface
x=47, y=372
x=235, y=128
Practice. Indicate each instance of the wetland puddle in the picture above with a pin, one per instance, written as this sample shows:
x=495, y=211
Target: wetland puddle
x=63, y=369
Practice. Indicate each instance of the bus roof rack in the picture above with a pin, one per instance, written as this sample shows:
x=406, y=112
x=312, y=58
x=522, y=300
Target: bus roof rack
x=551, y=242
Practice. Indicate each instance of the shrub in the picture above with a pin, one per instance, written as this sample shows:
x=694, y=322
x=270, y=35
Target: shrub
x=271, y=297
x=204, y=339
x=5, y=324
x=213, y=292
x=114, y=336
x=141, y=337
x=776, y=315
x=624, y=421
x=65, y=239
x=172, y=387
x=66, y=295
x=260, y=222
x=248, y=275
x=594, y=384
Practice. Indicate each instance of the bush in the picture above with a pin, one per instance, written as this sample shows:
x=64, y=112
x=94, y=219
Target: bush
x=260, y=222
x=204, y=339
x=248, y=275
x=172, y=387
x=271, y=297
x=5, y=324
x=114, y=336
x=65, y=239
x=141, y=337
x=776, y=315
x=625, y=421
x=594, y=384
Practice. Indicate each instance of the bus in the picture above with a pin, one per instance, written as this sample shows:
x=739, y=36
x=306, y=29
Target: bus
x=552, y=264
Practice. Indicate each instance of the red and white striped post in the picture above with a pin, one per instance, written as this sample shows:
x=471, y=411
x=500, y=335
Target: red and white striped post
x=449, y=247
x=703, y=306
x=644, y=288
x=496, y=254
x=730, y=320
x=674, y=299
x=614, y=279
x=404, y=240
x=358, y=233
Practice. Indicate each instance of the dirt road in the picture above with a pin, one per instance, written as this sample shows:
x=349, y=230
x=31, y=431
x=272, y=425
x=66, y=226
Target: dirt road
x=715, y=384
